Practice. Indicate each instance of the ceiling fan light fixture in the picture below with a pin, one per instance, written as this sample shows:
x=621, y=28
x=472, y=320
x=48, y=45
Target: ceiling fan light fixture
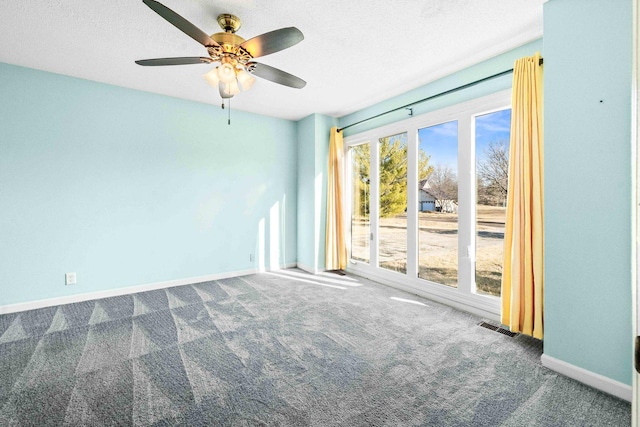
x=246, y=80
x=212, y=77
x=229, y=89
x=226, y=73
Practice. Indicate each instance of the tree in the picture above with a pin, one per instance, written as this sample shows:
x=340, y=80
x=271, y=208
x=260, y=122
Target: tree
x=443, y=186
x=361, y=179
x=493, y=172
x=484, y=196
x=424, y=169
x=393, y=174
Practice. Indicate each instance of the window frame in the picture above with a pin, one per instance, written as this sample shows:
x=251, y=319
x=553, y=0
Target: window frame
x=464, y=296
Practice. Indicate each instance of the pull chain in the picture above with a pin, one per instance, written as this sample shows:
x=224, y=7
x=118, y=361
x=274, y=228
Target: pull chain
x=228, y=111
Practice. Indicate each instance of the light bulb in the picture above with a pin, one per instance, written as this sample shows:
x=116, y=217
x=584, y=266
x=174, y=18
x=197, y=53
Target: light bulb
x=226, y=73
x=212, y=77
x=245, y=79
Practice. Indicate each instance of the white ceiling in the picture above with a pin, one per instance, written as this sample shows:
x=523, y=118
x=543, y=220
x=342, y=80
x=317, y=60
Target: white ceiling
x=355, y=52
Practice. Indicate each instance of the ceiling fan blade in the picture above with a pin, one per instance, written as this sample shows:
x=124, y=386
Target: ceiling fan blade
x=278, y=76
x=174, y=61
x=180, y=23
x=273, y=41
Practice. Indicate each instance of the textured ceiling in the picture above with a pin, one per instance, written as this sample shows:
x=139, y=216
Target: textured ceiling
x=355, y=52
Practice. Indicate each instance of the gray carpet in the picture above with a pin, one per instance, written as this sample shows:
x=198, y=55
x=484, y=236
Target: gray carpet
x=280, y=349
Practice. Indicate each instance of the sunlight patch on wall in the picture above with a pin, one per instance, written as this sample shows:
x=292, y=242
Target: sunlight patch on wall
x=260, y=250
x=283, y=227
x=274, y=236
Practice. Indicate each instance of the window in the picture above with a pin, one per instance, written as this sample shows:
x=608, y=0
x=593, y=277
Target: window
x=438, y=218
x=492, y=132
x=392, y=208
x=361, y=196
x=425, y=214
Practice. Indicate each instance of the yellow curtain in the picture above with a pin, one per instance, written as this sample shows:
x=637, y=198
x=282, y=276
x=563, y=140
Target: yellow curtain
x=522, y=276
x=336, y=249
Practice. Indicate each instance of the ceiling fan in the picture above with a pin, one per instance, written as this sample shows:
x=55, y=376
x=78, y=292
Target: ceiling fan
x=235, y=54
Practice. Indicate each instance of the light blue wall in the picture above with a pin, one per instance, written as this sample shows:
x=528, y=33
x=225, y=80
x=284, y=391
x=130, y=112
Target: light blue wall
x=313, y=158
x=588, y=58
x=484, y=69
x=126, y=187
x=306, y=192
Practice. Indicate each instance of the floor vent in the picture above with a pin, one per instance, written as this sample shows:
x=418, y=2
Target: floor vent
x=498, y=329
x=506, y=332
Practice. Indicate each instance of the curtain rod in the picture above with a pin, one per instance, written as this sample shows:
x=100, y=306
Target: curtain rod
x=446, y=92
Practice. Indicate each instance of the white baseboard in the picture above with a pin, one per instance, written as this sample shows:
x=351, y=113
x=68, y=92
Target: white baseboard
x=69, y=299
x=308, y=269
x=600, y=382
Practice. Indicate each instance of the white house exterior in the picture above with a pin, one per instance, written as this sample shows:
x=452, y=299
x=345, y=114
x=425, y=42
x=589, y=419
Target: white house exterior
x=427, y=202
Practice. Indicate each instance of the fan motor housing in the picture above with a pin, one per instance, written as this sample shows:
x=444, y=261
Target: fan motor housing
x=227, y=39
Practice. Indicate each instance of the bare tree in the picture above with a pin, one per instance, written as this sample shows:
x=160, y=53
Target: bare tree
x=493, y=172
x=443, y=186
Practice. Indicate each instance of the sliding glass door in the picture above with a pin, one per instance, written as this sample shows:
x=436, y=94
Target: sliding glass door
x=392, y=203
x=438, y=203
x=360, y=199
x=428, y=205
x=492, y=132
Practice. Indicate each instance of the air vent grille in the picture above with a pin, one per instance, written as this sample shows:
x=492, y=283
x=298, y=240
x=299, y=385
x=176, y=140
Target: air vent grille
x=497, y=329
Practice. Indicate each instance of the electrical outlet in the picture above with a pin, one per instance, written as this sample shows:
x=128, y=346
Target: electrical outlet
x=251, y=258
x=70, y=279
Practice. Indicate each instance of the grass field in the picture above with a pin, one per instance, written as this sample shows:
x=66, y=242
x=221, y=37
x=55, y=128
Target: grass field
x=438, y=246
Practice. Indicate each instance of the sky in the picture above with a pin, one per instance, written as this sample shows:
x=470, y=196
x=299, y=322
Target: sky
x=492, y=127
x=441, y=141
